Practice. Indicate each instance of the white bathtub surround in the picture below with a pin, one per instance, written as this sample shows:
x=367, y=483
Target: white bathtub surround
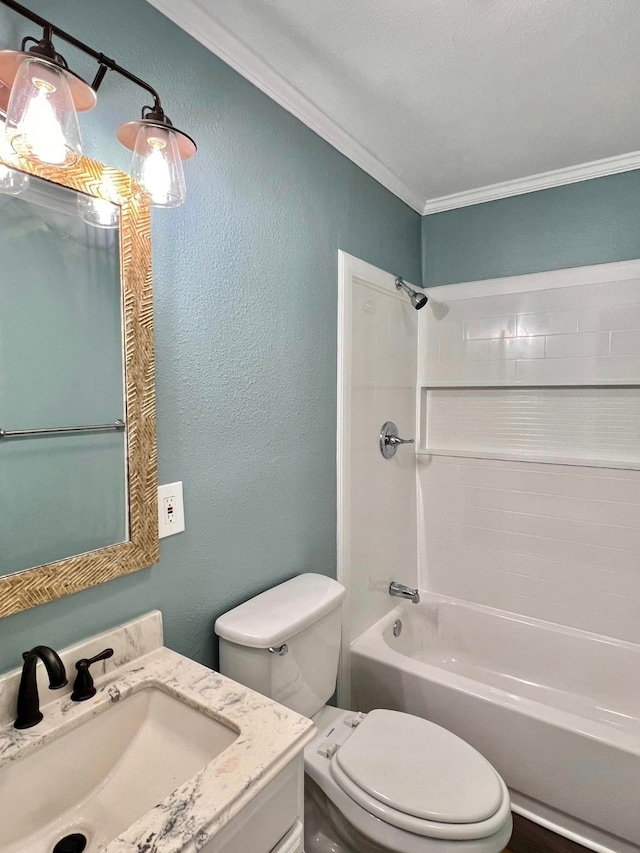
x=377, y=356
x=269, y=737
x=528, y=466
x=555, y=542
x=553, y=709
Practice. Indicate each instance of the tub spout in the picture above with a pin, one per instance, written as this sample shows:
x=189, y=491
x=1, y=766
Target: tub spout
x=402, y=591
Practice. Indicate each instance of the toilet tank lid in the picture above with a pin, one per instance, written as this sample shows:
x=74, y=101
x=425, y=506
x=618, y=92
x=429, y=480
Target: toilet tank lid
x=277, y=614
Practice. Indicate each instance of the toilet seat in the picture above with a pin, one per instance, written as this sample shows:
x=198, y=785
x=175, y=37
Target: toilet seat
x=417, y=769
x=394, y=812
x=419, y=826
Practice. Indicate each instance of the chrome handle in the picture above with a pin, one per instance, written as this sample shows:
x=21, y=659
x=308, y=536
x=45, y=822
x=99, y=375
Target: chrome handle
x=394, y=440
x=279, y=650
x=389, y=440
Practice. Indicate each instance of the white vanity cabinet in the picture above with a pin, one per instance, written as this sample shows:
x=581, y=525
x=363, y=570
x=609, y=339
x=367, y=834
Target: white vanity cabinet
x=271, y=821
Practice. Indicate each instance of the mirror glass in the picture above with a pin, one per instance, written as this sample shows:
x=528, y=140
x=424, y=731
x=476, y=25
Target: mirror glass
x=61, y=366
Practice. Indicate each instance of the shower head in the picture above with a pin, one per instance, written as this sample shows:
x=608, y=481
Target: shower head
x=418, y=300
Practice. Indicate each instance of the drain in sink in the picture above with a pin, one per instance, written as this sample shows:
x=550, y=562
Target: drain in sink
x=74, y=843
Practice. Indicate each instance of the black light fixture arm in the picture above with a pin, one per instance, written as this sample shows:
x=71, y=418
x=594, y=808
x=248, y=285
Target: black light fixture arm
x=105, y=63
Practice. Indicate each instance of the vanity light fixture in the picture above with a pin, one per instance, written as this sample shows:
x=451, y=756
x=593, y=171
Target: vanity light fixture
x=158, y=151
x=41, y=121
x=42, y=124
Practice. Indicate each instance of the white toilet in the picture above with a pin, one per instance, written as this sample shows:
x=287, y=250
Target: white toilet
x=377, y=782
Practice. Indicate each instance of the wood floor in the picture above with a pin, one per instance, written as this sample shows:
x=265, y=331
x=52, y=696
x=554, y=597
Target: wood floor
x=528, y=837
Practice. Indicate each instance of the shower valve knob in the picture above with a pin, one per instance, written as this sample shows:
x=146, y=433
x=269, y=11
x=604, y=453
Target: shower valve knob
x=389, y=440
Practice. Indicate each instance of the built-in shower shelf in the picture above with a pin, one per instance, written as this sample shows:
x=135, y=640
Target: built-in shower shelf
x=542, y=458
x=592, y=425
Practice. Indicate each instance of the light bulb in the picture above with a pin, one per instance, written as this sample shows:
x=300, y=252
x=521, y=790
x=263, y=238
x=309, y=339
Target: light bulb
x=156, y=177
x=41, y=118
x=98, y=211
x=40, y=127
x=157, y=166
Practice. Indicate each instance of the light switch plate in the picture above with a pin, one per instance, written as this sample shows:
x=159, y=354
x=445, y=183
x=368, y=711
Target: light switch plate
x=170, y=509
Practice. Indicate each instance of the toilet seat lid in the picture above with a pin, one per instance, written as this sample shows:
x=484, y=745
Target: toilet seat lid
x=420, y=769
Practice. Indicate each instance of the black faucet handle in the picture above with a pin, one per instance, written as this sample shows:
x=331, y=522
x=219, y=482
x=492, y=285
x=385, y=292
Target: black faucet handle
x=107, y=653
x=83, y=685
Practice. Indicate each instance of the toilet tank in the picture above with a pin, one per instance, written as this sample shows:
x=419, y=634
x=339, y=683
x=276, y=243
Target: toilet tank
x=300, y=620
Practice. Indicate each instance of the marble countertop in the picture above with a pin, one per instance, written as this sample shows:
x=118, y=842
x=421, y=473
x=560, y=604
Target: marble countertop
x=269, y=736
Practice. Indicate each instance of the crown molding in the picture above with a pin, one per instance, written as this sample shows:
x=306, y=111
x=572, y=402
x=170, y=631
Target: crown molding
x=533, y=183
x=200, y=24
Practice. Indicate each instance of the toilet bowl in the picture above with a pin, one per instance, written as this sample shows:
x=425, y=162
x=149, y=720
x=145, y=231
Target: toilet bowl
x=382, y=782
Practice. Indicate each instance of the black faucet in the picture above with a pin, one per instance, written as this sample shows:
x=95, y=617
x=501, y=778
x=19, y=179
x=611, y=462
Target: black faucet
x=29, y=713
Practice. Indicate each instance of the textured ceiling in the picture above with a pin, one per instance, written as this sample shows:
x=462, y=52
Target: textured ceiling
x=451, y=95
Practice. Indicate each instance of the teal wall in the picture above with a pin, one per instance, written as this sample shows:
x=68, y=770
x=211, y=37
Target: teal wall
x=592, y=222
x=245, y=297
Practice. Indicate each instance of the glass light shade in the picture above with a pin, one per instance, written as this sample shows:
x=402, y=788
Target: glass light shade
x=12, y=182
x=157, y=166
x=98, y=211
x=41, y=118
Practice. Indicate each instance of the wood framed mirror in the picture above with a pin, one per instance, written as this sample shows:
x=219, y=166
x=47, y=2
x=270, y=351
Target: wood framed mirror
x=56, y=441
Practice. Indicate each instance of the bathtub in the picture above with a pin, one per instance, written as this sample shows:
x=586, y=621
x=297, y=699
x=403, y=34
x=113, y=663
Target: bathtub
x=555, y=710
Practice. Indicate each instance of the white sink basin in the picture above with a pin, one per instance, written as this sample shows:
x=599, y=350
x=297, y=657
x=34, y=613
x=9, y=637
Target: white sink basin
x=98, y=778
